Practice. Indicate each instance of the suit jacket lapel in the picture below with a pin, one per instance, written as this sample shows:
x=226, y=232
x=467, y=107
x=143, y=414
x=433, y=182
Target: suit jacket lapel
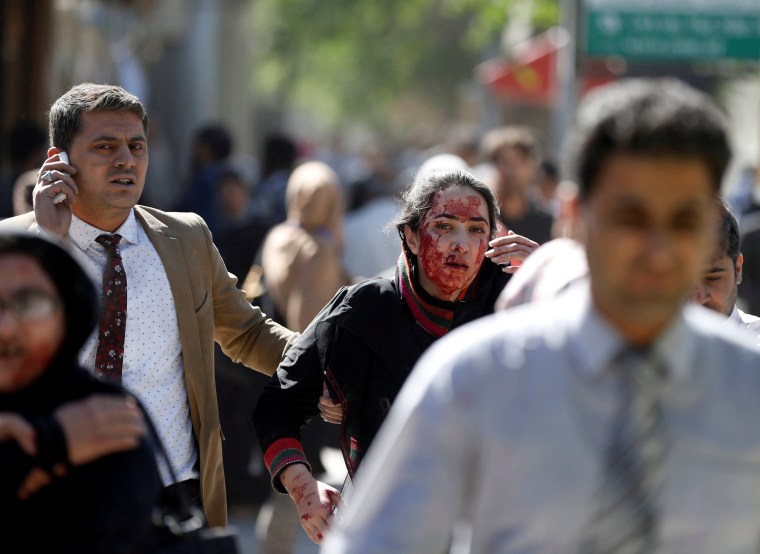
x=176, y=267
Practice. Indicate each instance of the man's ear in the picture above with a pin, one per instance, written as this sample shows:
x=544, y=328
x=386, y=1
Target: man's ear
x=739, y=264
x=412, y=239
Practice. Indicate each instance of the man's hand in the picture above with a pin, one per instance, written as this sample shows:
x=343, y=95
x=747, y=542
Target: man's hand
x=510, y=248
x=316, y=501
x=53, y=177
x=331, y=412
x=99, y=425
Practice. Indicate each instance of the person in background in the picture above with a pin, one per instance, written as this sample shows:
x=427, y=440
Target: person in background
x=463, y=141
x=23, y=192
x=717, y=290
x=88, y=496
x=365, y=341
x=25, y=147
x=242, y=230
x=749, y=225
x=279, y=155
x=210, y=152
x=180, y=298
x=546, y=186
x=515, y=154
x=379, y=177
x=301, y=257
x=594, y=421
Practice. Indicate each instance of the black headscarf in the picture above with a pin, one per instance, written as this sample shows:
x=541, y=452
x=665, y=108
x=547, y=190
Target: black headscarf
x=81, y=310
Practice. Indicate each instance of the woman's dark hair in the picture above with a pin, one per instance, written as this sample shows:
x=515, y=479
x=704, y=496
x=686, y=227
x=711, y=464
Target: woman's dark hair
x=651, y=117
x=77, y=292
x=417, y=199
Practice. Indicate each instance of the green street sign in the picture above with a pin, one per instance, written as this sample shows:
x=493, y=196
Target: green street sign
x=672, y=29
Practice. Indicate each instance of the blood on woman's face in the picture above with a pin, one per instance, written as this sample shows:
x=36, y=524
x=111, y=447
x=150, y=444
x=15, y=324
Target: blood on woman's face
x=26, y=345
x=451, y=241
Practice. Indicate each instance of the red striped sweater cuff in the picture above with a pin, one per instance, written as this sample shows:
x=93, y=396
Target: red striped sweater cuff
x=280, y=454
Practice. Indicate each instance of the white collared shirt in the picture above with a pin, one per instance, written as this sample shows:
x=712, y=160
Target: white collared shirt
x=153, y=369
x=500, y=432
x=749, y=321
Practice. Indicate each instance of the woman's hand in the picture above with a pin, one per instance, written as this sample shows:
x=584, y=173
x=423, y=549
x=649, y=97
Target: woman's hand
x=38, y=478
x=331, y=411
x=510, y=248
x=13, y=426
x=100, y=424
x=316, y=501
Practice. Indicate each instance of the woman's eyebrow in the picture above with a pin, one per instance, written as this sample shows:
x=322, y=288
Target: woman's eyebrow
x=452, y=216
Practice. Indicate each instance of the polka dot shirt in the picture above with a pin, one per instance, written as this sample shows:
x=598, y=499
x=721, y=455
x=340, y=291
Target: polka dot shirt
x=153, y=370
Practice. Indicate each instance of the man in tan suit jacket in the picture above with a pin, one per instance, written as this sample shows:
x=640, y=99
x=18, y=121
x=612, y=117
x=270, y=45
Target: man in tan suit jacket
x=104, y=129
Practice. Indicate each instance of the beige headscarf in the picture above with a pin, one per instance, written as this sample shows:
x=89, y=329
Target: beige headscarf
x=302, y=256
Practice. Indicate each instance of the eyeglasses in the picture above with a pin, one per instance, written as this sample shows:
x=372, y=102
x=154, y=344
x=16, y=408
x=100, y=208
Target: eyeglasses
x=30, y=305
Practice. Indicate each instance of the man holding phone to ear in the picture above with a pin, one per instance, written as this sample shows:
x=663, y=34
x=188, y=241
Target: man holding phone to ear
x=178, y=298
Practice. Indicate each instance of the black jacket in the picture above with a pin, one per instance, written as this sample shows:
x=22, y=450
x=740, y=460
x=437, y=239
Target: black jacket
x=105, y=506
x=363, y=345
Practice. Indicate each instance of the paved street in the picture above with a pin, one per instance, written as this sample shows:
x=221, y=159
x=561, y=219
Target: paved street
x=243, y=519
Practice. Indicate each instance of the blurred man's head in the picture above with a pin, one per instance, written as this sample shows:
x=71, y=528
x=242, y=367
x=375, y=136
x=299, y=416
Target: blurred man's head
x=649, y=158
x=515, y=153
x=717, y=289
x=234, y=194
x=212, y=143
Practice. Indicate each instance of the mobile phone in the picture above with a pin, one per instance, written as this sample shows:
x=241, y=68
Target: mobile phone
x=61, y=196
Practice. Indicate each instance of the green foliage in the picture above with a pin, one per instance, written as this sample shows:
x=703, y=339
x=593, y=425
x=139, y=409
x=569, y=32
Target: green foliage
x=349, y=59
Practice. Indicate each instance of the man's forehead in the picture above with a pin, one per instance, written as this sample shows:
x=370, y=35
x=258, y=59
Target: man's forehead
x=720, y=261
x=650, y=178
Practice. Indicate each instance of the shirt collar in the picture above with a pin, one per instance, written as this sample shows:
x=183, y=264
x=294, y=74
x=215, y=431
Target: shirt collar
x=736, y=316
x=84, y=235
x=597, y=342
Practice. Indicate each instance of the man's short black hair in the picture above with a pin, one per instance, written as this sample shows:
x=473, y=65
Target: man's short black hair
x=652, y=117
x=728, y=231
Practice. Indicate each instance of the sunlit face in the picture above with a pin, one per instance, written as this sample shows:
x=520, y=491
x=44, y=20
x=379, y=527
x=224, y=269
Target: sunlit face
x=26, y=346
x=110, y=154
x=451, y=242
x=648, y=231
x=717, y=289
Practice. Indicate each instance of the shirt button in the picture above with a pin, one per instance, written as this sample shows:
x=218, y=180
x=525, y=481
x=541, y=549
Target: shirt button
x=126, y=366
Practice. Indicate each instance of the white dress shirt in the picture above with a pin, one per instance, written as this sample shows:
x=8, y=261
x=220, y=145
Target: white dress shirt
x=153, y=369
x=749, y=321
x=502, y=427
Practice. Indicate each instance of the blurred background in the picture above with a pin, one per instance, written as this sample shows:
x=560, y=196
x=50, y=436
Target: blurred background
x=355, y=79
x=240, y=92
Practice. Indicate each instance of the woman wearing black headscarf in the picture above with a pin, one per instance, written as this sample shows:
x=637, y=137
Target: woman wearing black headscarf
x=55, y=495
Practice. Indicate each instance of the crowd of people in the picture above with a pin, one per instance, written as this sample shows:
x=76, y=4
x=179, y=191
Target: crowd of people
x=506, y=363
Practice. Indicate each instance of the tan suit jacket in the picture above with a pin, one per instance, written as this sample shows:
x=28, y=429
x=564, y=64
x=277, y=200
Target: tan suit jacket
x=209, y=307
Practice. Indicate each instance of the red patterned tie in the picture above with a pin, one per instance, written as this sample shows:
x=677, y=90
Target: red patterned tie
x=113, y=317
